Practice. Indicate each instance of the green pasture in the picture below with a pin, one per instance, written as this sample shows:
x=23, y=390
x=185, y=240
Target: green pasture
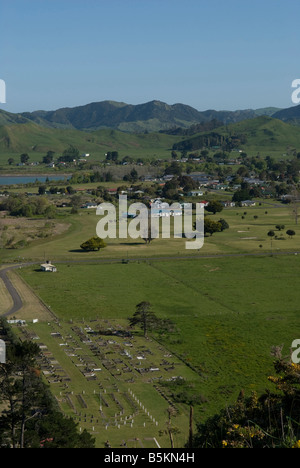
x=36, y=141
x=229, y=313
x=247, y=233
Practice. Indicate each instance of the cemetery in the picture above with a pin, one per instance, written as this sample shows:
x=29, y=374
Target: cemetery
x=110, y=380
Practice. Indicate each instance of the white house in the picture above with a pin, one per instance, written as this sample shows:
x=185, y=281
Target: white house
x=90, y=206
x=248, y=203
x=195, y=193
x=228, y=204
x=48, y=267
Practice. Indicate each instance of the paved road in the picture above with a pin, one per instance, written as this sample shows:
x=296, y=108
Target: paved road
x=17, y=301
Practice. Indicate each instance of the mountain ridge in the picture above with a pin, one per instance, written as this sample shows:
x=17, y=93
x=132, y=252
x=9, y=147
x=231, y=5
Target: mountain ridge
x=152, y=116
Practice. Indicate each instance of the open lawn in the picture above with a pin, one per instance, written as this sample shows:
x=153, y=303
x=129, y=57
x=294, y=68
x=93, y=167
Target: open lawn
x=248, y=233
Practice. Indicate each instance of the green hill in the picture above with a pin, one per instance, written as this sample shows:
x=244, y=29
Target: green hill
x=262, y=135
x=36, y=141
x=268, y=134
x=151, y=116
x=7, y=118
x=291, y=115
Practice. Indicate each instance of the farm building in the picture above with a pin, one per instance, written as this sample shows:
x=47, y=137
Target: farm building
x=48, y=267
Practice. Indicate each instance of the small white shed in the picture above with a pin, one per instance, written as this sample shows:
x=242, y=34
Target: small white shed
x=48, y=267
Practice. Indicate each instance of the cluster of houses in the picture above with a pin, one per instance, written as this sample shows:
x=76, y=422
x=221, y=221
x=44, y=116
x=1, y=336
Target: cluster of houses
x=204, y=181
x=208, y=181
x=160, y=209
x=245, y=203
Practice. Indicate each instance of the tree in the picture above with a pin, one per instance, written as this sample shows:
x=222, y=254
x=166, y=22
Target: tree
x=174, y=168
x=149, y=233
x=290, y=233
x=144, y=317
x=224, y=224
x=50, y=212
x=112, y=156
x=187, y=183
x=240, y=195
x=134, y=175
x=70, y=190
x=214, y=207
x=42, y=190
x=271, y=233
x=11, y=161
x=49, y=157
x=76, y=201
x=210, y=226
x=295, y=204
x=24, y=158
x=20, y=390
x=70, y=154
x=58, y=431
x=95, y=243
x=170, y=429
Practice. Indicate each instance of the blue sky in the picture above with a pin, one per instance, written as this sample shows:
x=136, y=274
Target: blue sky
x=210, y=54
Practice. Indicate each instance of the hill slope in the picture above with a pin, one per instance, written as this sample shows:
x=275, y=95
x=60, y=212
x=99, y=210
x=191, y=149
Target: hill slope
x=292, y=115
x=262, y=134
x=152, y=116
x=36, y=140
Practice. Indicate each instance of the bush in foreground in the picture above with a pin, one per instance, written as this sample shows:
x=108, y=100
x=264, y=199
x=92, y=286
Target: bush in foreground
x=268, y=421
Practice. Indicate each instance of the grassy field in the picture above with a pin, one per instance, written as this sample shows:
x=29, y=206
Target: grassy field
x=16, y=232
x=229, y=312
x=248, y=233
